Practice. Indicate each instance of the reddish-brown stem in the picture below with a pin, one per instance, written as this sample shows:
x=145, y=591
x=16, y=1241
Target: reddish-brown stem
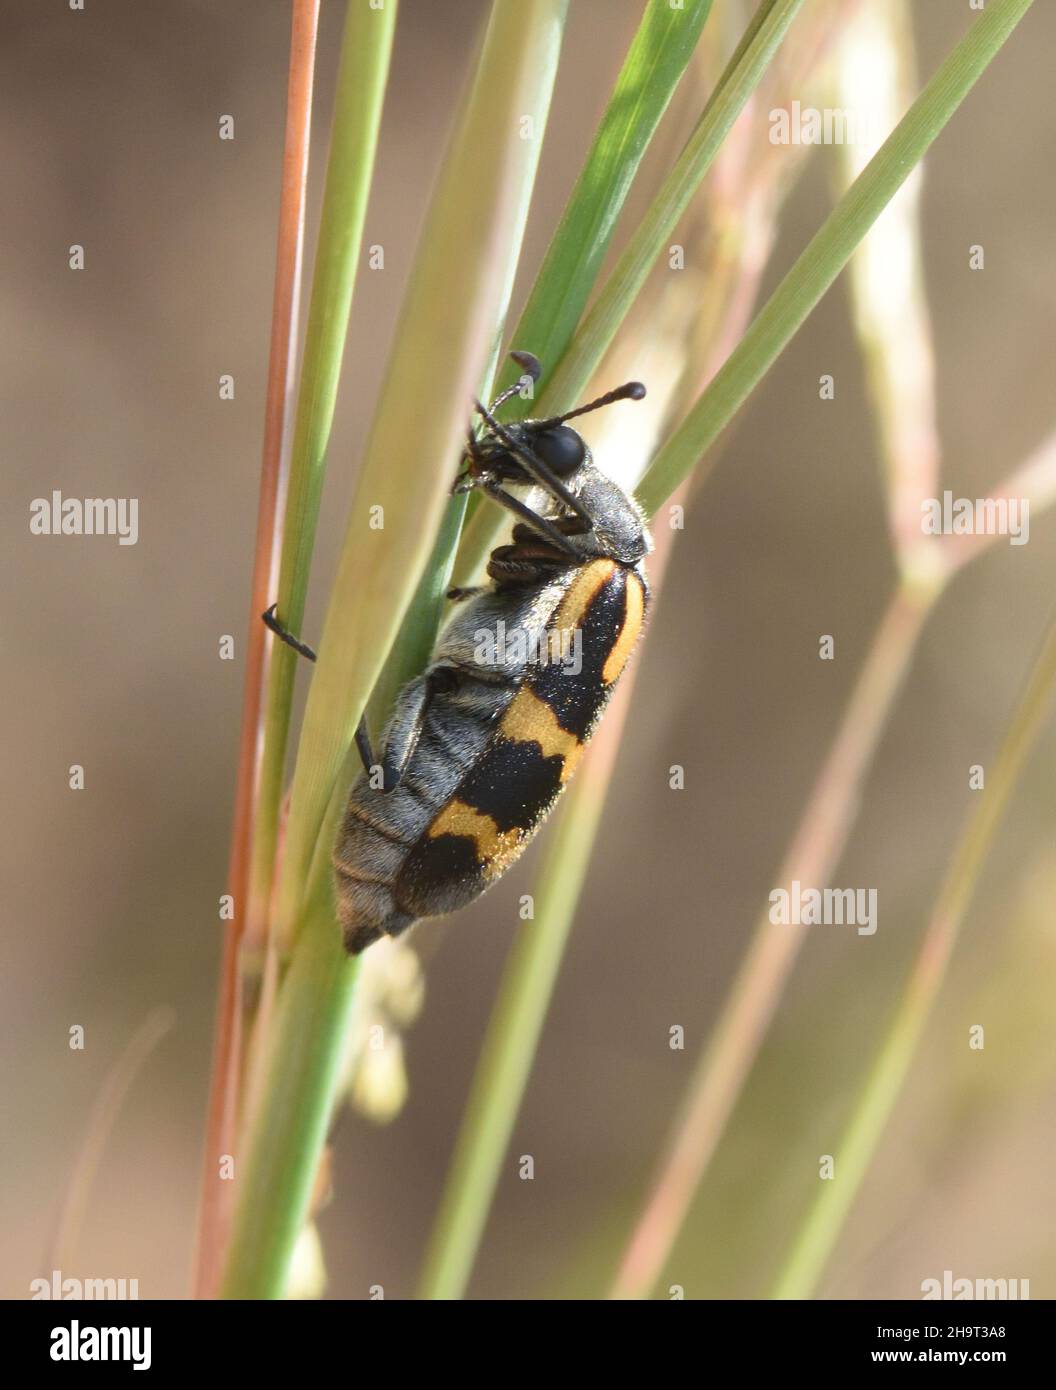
x=216, y=1195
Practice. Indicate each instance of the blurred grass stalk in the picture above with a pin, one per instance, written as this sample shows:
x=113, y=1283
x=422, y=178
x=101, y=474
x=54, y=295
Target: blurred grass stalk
x=829, y=1209
x=454, y=306
x=106, y=1107
x=877, y=74
x=223, y=1101
x=912, y=463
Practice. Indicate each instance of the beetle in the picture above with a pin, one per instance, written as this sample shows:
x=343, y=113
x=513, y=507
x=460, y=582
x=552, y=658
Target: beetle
x=479, y=747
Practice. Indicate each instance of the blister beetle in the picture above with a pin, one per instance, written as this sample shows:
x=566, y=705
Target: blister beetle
x=479, y=747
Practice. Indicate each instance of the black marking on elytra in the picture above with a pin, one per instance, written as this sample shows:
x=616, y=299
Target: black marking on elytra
x=577, y=700
x=439, y=875
x=512, y=783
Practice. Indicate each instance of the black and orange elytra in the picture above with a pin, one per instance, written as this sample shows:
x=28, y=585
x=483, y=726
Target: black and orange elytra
x=480, y=746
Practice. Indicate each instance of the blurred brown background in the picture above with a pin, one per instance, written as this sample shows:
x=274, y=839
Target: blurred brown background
x=109, y=131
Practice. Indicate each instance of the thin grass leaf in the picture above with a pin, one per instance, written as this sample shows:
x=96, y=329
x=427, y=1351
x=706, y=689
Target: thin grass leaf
x=655, y=63
x=222, y=1113
x=508, y=1047
x=739, y=79
x=828, y=1211
x=829, y=250
x=362, y=75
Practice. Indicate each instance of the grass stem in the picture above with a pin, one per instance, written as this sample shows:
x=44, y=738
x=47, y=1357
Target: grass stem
x=829, y=1209
x=221, y=1118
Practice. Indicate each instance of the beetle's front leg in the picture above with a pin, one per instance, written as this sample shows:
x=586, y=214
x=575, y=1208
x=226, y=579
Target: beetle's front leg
x=540, y=524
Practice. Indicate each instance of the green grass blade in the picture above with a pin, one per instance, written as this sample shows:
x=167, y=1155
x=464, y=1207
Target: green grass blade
x=830, y=1207
x=739, y=80
x=829, y=250
x=509, y=1046
x=565, y=386
x=285, y=1140
x=452, y=312
x=366, y=49
x=655, y=63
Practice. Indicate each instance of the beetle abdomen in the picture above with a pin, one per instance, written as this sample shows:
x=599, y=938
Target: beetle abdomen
x=381, y=829
x=491, y=761
x=504, y=797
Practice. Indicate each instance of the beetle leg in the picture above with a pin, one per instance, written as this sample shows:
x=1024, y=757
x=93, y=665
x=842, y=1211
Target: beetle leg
x=272, y=623
x=362, y=742
x=362, y=734
x=534, y=466
x=537, y=522
x=405, y=728
x=408, y=719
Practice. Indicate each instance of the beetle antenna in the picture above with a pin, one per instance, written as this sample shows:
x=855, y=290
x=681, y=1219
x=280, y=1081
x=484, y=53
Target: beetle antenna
x=630, y=390
x=531, y=368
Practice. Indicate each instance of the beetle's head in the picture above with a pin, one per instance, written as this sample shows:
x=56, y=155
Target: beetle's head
x=536, y=451
x=559, y=448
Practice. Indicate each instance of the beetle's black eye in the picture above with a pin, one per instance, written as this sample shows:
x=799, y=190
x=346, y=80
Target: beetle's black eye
x=560, y=448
